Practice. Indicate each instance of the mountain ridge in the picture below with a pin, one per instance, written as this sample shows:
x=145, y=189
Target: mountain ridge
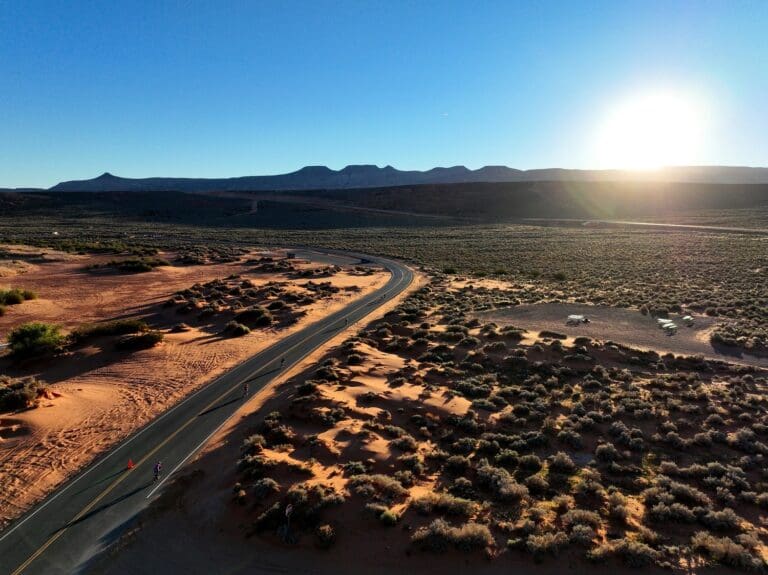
x=372, y=176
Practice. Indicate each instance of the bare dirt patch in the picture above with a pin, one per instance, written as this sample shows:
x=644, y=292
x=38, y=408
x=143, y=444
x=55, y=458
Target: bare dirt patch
x=624, y=326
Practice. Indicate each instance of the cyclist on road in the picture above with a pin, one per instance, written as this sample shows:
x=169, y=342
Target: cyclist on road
x=245, y=389
x=156, y=470
x=282, y=362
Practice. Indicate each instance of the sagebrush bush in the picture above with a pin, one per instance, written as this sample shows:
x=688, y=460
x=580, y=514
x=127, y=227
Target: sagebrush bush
x=439, y=536
x=726, y=551
x=444, y=503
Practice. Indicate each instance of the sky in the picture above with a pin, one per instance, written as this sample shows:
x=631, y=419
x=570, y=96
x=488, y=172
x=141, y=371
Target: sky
x=217, y=89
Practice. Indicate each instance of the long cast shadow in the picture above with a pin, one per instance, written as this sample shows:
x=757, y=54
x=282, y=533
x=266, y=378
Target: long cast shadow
x=107, y=478
x=101, y=508
x=263, y=373
x=217, y=407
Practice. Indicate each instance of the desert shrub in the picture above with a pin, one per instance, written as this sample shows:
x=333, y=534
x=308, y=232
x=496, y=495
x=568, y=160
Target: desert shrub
x=377, y=487
x=325, y=536
x=563, y=503
x=501, y=484
x=726, y=551
x=606, y=452
x=674, y=512
x=389, y=517
x=439, y=536
x=632, y=553
x=552, y=335
x=253, y=444
x=530, y=463
x=464, y=446
x=462, y=487
x=723, y=520
x=134, y=265
x=19, y=393
x=443, y=503
x=352, y=468
x=254, y=466
x=256, y=316
x=276, y=305
x=617, y=507
x=265, y=487
x=35, y=339
x=545, y=544
x=116, y=327
x=537, y=484
x=582, y=534
x=581, y=517
x=507, y=458
x=236, y=329
x=271, y=518
x=309, y=501
x=761, y=500
x=405, y=443
x=15, y=296
x=562, y=463
x=457, y=464
x=144, y=340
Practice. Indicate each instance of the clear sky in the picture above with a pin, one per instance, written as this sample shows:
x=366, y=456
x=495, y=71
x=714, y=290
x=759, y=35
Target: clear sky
x=220, y=88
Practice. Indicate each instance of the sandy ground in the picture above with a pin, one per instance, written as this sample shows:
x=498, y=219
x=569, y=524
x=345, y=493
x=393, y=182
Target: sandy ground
x=104, y=394
x=625, y=326
x=198, y=508
x=211, y=530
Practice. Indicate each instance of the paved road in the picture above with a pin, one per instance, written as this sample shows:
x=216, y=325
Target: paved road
x=62, y=533
x=660, y=225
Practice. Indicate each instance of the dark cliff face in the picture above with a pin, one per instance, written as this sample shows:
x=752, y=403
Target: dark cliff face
x=369, y=176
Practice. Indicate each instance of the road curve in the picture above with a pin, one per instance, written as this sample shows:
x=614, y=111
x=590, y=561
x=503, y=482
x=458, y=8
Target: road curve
x=73, y=524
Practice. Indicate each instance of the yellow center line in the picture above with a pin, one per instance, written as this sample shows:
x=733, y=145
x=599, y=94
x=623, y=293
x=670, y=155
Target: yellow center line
x=117, y=482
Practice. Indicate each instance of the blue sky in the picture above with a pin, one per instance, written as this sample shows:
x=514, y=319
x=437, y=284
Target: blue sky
x=238, y=88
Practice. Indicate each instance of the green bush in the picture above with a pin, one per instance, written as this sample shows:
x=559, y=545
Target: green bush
x=35, y=339
x=116, y=327
x=16, y=296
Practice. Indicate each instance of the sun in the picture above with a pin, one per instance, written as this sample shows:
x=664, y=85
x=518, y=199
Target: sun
x=651, y=130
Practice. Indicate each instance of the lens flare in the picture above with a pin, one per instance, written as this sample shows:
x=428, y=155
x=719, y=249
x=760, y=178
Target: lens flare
x=650, y=131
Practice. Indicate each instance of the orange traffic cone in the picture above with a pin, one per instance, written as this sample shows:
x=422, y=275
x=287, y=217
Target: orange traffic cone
x=131, y=464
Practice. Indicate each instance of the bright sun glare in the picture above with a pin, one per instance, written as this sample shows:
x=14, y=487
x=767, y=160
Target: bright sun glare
x=649, y=131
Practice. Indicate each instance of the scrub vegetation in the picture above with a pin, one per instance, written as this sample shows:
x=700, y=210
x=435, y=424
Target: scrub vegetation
x=587, y=450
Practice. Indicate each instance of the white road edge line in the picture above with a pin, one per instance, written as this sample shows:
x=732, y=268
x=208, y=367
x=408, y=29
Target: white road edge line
x=107, y=456
x=215, y=431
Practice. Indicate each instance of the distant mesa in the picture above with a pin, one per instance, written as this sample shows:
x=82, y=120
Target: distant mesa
x=371, y=176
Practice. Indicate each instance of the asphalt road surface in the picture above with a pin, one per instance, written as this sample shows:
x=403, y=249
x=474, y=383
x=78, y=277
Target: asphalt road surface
x=657, y=225
x=76, y=522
